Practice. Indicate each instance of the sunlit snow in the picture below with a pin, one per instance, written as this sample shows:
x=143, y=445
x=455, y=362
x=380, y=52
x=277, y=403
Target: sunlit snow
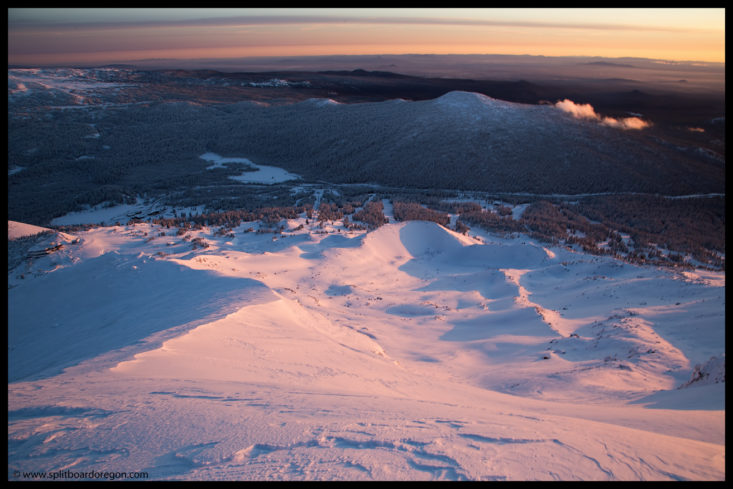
x=406, y=353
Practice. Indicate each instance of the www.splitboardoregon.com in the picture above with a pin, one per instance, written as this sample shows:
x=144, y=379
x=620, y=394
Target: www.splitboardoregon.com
x=72, y=475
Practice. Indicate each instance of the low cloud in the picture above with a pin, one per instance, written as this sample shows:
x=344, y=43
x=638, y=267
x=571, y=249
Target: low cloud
x=586, y=111
x=581, y=111
x=625, y=123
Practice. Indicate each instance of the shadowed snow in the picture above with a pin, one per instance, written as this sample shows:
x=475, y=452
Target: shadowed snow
x=64, y=319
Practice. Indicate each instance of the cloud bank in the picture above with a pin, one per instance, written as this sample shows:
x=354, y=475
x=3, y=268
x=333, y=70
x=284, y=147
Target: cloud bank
x=586, y=111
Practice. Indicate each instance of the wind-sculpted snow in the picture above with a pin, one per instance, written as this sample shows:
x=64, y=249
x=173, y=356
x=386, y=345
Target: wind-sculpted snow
x=316, y=250
x=410, y=352
x=422, y=238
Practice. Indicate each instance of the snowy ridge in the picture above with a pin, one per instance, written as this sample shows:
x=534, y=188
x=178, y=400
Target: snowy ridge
x=19, y=230
x=409, y=352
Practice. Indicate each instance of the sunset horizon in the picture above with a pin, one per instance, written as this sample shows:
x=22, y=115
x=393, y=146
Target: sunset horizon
x=67, y=37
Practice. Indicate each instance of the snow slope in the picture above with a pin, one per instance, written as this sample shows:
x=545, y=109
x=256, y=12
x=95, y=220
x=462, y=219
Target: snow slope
x=20, y=230
x=108, y=214
x=407, y=353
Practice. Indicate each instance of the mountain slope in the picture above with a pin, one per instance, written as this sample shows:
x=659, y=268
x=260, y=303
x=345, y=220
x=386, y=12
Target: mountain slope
x=410, y=352
x=462, y=140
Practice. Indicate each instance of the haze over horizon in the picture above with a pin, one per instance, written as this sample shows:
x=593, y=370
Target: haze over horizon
x=66, y=37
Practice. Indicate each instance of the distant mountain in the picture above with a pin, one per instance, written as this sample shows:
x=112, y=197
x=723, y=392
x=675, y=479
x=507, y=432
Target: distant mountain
x=609, y=64
x=360, y=72
x=462, y=140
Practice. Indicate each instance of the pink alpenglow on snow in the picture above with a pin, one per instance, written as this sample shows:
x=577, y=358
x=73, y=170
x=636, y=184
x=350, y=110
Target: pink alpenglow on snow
x=410, y=352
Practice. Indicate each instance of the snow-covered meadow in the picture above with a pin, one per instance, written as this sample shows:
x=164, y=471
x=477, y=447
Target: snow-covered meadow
x=262, y=174
x=410, y=352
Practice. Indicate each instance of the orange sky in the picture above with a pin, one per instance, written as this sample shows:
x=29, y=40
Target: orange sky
x=77, y=36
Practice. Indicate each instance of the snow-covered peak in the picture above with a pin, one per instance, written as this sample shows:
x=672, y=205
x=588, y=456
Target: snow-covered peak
x=475, y=107
x=458, y=98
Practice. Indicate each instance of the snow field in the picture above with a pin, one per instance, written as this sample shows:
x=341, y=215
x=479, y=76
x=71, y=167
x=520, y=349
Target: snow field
x=263, y=175
x=407, y=353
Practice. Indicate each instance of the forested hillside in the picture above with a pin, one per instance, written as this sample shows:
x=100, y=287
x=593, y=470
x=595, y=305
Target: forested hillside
x=458, y=141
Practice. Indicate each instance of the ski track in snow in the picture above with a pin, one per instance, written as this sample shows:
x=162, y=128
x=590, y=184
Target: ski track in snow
x=407, y=353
